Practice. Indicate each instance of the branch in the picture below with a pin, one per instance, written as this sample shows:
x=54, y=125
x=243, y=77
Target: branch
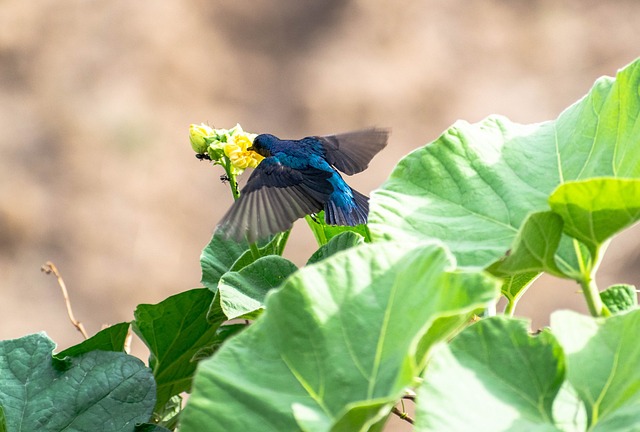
x=403, y=415
x=50, y=268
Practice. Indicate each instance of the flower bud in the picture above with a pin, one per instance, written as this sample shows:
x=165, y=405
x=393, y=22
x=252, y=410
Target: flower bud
x=198, y=135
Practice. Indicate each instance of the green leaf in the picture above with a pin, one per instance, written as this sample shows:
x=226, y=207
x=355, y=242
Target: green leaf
x=243, y=292
x=99, y=390
x=110, y=339
x=174, y=330
x=569, y=413
x=474, y=186
x=222, y=334
x=218, y=257
x=594, y=210
x=338, y=343
x=602, y=365
x=337, y=244
x=169, y=414
x=535, y=246
x=3, y=420
x=515, y=286
x=274, y=246
x=494, y=376
x=620, y=298
x=324, y=233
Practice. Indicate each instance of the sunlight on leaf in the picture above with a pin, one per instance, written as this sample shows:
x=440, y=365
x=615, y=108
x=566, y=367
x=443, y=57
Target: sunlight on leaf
x=474, y=187
x=495, y=376
x=338, y=343
x=594, y=210
x=602, y=365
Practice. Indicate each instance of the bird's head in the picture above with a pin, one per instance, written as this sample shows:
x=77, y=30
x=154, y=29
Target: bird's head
x=262, y=144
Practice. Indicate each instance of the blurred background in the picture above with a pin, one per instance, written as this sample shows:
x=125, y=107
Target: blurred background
x=96, y=97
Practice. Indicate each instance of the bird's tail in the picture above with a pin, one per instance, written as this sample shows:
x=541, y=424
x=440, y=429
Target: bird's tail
x=355, y=213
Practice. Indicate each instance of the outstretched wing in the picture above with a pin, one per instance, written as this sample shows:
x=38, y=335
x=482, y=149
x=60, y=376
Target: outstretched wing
x=351, y=152
x=274, y=197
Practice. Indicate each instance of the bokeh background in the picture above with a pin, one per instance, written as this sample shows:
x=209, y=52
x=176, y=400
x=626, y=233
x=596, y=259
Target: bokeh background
x=96, y=171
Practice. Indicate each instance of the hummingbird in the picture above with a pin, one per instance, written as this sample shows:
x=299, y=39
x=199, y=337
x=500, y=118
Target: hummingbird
x=300, y=177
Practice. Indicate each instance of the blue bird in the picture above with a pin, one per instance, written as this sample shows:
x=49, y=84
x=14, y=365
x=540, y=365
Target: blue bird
x=300, y=177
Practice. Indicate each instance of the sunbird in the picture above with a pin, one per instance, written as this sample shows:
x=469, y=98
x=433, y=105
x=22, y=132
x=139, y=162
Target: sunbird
x=300, y=177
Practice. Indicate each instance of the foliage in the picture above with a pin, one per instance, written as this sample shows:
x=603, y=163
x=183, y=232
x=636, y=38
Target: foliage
x=387, y=309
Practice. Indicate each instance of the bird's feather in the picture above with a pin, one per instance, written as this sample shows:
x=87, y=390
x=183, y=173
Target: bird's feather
x=274, y=197
x=351, y=216
x=351, y=152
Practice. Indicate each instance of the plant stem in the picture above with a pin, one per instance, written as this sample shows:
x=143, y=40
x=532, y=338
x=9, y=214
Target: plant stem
x=255, y=252
x=236, y=194
x=233, y=184
x=510, y=308
x=592, y=296
x=403, y=415
x=589, y=286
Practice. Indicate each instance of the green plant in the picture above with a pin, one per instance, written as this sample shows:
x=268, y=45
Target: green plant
x=391, y=308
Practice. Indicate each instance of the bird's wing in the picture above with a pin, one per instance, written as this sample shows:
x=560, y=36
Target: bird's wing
x=274, y=197
x=351, y=152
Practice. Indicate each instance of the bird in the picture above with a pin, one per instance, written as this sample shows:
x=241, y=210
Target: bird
x=300, y=177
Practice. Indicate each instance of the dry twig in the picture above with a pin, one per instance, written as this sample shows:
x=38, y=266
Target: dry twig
x=50, y=268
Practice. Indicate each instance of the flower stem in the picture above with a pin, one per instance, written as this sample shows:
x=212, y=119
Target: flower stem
x=233, y=184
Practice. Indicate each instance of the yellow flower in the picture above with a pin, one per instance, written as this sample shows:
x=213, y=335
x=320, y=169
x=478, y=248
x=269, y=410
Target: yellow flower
x=198, y=135
x=236, y=151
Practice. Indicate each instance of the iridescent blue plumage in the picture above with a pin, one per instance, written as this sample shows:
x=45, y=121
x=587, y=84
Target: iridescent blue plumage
x=299, y=177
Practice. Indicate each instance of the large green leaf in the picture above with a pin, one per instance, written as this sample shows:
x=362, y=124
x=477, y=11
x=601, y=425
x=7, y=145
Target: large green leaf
x=594, y=210
x=337, y=344
x=475, y=185
x=602, y=365
x=175, y=330
x=494, y=376
x=243, y=292
x=96, y=391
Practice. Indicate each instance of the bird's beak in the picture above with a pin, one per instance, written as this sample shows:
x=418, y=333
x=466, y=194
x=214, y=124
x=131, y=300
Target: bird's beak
x=250, y=148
